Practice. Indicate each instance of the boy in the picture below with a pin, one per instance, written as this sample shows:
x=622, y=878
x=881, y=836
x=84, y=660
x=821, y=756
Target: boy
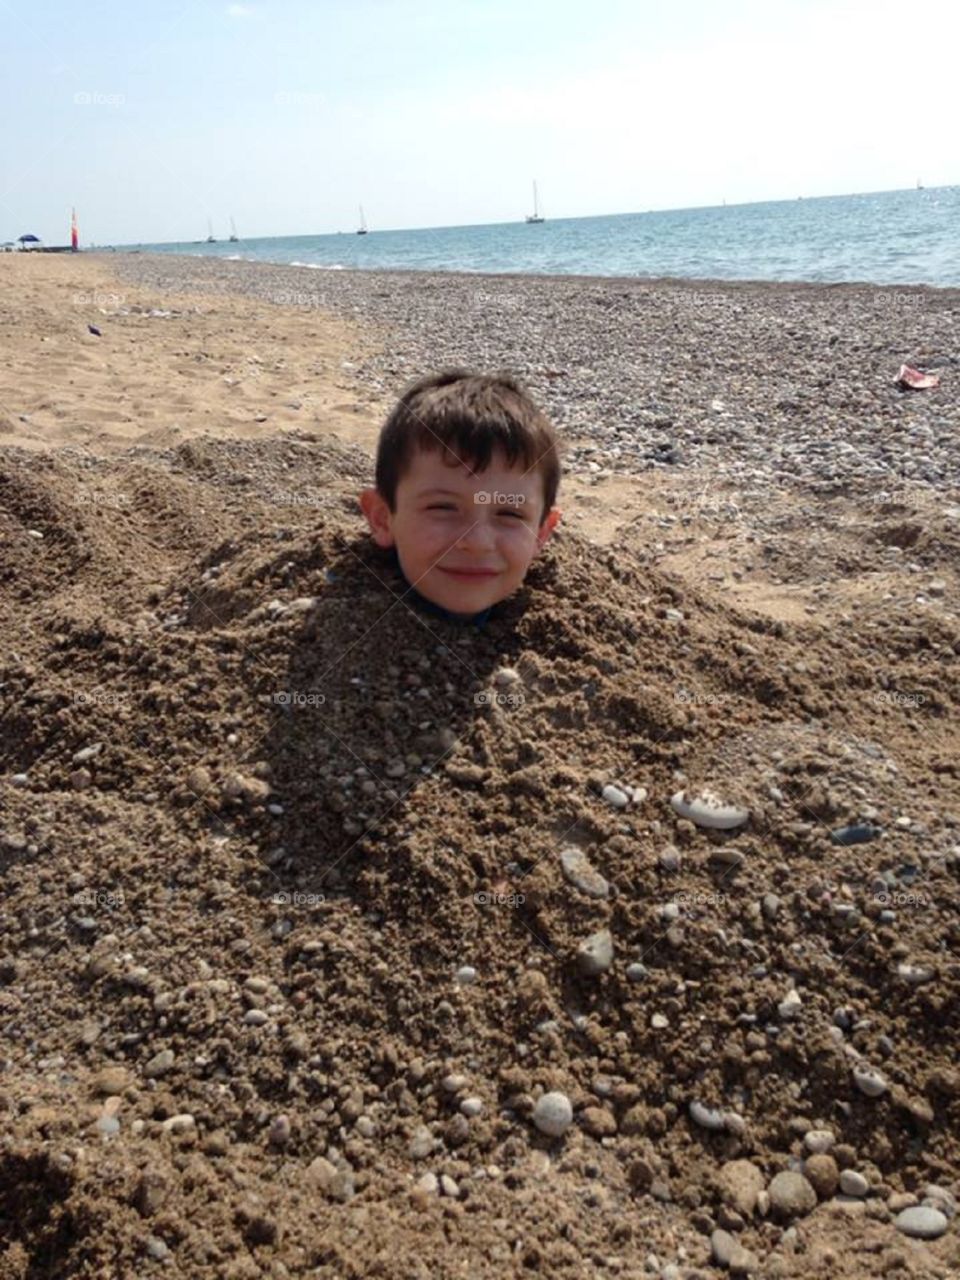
x=467, y=472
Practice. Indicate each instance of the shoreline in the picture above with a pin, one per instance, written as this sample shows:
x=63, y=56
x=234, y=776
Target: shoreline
x=748, y=283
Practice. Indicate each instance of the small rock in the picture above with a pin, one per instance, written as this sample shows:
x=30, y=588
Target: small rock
x=157, y=1248
x=581, y=874
x=739, y=1183
x=448, y=1186
x=817, y=1141
x=111, y=1080
x=615, y=797
x=869, y=1081
x=180, y=1123
x=791, y=1195
x=428, y=1183
x=279, y=1133
x=421, y=1144
x=790, y=1005
x=471, y=1107
x=854, y=1184
x=706, y=809
x=466, y=975
x=921, y=1221
x=159, y=1064
x=820, y=1170
x=553, y=1114
x=595, y=954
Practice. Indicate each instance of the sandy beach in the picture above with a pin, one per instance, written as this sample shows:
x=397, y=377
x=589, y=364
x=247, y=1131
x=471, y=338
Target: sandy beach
x=310, y=901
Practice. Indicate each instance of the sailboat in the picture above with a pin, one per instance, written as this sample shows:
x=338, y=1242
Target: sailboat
x=233, y=232
x=210, y=235
x=362, y=229
x=536, y=216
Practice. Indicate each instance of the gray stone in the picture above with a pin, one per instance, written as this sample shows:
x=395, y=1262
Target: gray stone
x=853, y=1183
x=595, y=954
x=553, y=1114
x=791, y=1195
x=921, y=1221
x=581, y=874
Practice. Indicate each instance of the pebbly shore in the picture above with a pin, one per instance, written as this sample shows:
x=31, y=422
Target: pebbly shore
x=778, y=384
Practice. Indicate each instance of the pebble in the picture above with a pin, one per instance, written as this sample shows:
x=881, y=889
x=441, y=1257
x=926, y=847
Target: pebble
x=706, y=809
x=595, y=954
x=790, y=1005
x=853, y=1183
x=869, y=1082
x=921, y=1221
x=817, y=1141
x=739, y=1183
x=553, y=1114
x=858, y=834
x=466, y=975
x=791, y=1194
x=581, y=874
x=730, y=1254
x=820, y=1170
x=183, y=1122
x=614, y=796
x=157, y=1248
x=111, y=1080
x=914, y=974
x=279, y=1133
x=471, y=1107
x=636, y=972
x=108, y=1125
x=707, y=1117
x=448, y=1186
x=255, y=1018
x=669, y=859
x=87, y=753
x=421, y=1144
x=159, y=1064
x=429, y=1183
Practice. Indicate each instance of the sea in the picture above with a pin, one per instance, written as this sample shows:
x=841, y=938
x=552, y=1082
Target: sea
x=889, y=237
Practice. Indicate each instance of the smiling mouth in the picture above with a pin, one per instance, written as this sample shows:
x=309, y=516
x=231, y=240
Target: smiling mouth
x=471, y=573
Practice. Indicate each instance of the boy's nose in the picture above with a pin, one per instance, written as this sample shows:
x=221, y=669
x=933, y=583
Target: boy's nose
x=477, y=535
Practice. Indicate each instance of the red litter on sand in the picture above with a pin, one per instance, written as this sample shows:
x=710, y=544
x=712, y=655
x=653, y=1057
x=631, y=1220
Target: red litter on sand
x=915, y=379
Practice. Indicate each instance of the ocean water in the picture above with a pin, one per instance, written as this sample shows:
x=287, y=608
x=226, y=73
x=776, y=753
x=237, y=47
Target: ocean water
x=891, y=237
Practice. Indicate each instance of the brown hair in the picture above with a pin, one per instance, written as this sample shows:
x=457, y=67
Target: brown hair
x=470, y=414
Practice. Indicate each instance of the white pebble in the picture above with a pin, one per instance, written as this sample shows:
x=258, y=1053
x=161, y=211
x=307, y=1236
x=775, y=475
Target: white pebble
x=553, y=1114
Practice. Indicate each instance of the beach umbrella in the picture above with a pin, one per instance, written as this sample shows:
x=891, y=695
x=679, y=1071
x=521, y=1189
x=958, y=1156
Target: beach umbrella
x=29, y=239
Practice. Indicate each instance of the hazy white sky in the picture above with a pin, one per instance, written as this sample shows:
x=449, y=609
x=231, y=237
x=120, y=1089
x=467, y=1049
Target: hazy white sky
x=152, y=119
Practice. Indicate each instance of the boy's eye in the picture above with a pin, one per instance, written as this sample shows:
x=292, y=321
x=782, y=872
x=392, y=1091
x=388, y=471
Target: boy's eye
x=442, y=506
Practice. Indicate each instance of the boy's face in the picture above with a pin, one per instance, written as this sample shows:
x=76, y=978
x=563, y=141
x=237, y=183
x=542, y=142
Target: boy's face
x=464, y=539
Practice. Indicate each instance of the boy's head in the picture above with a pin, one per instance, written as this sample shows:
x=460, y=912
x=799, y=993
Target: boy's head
x=467, y=472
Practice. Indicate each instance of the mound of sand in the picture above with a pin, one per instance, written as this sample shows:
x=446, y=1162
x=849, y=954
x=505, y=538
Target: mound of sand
x=261, y=817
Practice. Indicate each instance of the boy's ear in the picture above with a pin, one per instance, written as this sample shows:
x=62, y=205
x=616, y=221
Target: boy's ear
x=377, y=511
x=550, y=522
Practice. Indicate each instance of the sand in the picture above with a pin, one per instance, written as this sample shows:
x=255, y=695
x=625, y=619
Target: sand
x=258, y=814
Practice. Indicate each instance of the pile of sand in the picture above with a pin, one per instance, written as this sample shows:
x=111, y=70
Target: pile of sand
x=259, y=814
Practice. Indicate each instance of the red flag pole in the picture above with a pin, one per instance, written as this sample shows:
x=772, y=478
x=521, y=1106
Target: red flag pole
x=74, y=234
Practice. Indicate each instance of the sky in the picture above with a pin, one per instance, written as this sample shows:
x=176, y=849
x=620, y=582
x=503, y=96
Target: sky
x=159, y=120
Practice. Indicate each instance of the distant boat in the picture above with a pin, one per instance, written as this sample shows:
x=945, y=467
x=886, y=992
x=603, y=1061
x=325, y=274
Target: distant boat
x=536, y=216
x=919, y=185
x=233, y=232
x=210, y=236
x=362, y=229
